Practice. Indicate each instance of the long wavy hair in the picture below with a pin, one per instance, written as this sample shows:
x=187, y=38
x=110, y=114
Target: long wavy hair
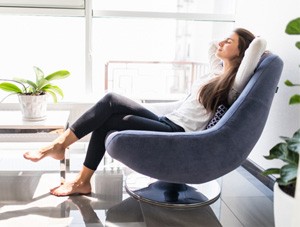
x=216, y=90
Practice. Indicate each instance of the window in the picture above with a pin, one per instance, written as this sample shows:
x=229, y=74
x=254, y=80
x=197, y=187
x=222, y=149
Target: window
x=139, y=30
x=51, y=43
x=82, y=36
x=148, y=40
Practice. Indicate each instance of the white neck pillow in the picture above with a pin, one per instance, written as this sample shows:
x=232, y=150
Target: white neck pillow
x=252, y=56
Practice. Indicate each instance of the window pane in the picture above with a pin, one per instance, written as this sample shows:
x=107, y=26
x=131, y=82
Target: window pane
x=149, y=40
x=199, y=6
x=51, y=43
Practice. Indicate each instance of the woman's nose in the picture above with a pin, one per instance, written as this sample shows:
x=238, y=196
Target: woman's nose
x=221, y=43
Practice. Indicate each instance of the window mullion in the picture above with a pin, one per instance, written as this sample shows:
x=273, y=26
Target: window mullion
x=88, y=48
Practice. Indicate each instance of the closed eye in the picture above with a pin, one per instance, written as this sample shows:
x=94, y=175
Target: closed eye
x=228, y=40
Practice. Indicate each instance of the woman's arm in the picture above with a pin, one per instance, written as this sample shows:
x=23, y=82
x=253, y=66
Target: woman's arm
x=215, y=64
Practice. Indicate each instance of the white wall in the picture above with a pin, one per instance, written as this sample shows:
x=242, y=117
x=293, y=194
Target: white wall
x=268, y=18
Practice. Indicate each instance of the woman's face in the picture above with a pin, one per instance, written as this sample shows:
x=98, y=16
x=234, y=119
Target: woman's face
x=228, y=48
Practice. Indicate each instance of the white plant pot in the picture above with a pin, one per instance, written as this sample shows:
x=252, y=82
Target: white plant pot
x=33, y=108
x=283, y=205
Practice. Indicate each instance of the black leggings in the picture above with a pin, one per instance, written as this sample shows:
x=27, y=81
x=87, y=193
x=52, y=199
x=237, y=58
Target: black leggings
x=115, y=112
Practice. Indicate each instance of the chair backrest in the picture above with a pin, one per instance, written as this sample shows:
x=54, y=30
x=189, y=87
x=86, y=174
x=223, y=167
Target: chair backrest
x=197, y=157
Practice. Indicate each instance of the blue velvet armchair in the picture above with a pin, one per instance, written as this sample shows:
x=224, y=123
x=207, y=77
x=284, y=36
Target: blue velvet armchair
x=202, y=156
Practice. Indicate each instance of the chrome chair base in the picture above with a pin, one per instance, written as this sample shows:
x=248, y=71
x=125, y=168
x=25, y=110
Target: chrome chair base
x=173, y=195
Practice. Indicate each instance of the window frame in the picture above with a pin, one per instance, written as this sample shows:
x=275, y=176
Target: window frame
x=67, y=4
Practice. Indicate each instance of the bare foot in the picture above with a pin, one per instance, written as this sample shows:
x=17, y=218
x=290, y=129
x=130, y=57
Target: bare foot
x=55, y=151
x=72, y=188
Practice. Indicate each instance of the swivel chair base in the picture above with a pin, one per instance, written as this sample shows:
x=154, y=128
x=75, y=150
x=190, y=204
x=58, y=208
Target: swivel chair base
x=172, y=195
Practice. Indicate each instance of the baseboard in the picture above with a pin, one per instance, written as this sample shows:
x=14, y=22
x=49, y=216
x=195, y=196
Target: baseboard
x=256, y=171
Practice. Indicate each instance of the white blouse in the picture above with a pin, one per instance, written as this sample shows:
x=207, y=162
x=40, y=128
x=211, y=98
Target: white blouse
x=191, y=115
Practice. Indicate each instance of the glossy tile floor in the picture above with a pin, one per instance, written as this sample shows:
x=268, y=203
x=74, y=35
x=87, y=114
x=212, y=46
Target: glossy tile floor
x=25, y=200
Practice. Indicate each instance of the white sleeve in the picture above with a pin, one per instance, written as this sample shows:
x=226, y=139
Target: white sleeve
x=215, y=63
x=252, y=56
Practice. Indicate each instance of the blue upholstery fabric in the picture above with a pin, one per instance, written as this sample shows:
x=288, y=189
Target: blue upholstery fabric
x=198, y=157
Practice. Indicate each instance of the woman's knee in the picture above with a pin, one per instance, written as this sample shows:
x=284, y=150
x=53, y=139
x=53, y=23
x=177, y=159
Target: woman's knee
x=110, y=97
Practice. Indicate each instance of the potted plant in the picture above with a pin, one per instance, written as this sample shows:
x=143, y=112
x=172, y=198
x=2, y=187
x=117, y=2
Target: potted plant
x=33, y=94
x=288, y=152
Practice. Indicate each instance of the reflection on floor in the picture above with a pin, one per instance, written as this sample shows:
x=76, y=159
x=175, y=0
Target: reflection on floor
x=25, y=201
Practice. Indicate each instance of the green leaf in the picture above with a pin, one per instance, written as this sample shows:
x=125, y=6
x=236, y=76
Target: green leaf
x=296, y=134
x=54, y=97
x=39, y=74
x=271, y=171
x=298, y=45
x=293, y=27
x=294, y=142
x=32, y=84
x=54, y=89
x=42, y=84
x=58, y=75
x=295, y=99
x=10, y=87
x=58, y=90
x=281, y=151
x=284, y=183
x=290, y=84
x=288, y=173
x=25, y=81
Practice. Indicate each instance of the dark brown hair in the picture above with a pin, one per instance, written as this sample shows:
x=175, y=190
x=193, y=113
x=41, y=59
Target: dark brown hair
x=216, y=91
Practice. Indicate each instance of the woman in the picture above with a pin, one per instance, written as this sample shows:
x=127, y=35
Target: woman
x=115, y=112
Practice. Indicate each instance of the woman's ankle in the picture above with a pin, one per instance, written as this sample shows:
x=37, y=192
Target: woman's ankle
x=85, y=175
